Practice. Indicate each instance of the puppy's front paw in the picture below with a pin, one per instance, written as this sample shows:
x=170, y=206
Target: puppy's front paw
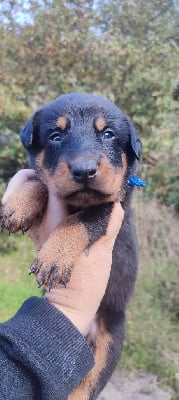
x=13, y=219
x=55, y=260
x=22, y=207
x=50, y=275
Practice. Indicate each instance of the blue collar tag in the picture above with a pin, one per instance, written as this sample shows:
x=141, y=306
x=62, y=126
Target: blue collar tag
x=134, y=181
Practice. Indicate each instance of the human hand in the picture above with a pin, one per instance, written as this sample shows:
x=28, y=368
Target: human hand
x=80, y=300
x=54, y=214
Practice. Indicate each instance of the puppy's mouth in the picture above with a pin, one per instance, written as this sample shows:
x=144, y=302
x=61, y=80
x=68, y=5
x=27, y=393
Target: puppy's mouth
x=87, y=196
x=87, y=191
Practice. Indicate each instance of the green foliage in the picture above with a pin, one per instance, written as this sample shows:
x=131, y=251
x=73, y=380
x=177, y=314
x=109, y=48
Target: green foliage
x=118, y=48
x=162, y=172
x=12, y=113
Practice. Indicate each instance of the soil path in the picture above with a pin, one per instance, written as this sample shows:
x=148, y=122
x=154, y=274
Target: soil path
x=129, y=387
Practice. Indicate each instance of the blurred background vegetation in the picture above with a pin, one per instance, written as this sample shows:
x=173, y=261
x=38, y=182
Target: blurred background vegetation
x=128, y=51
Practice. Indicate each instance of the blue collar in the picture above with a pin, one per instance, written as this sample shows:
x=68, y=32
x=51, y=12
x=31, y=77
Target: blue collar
x=134, y=181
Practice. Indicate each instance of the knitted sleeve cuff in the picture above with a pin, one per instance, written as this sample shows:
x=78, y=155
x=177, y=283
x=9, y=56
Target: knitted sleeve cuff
x=46, y=341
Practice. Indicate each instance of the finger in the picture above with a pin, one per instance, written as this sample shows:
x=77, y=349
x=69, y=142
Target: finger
x=115, y=222
x=56, y=212
x=18, y=179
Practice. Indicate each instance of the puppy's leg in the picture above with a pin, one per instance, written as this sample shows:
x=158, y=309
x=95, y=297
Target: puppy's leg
x=107, y=347
x=57, y=256
x=24, y=206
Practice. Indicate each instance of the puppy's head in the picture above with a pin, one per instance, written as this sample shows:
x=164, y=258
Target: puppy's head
x=83, y=148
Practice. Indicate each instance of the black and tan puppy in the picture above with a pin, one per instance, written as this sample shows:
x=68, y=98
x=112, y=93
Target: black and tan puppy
x=84, y=149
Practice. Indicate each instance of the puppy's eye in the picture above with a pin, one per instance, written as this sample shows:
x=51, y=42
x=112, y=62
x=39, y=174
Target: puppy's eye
x=108, y=134
x=56, y=137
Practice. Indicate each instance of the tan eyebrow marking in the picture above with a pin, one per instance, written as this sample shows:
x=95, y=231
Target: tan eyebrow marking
x=62, y=123
x=100, y=124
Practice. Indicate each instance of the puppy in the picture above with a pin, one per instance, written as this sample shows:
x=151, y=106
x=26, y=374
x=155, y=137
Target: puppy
x=84, y=149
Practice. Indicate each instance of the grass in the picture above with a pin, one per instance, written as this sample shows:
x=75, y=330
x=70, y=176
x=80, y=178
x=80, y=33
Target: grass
x=152, y=334
x=16, y=254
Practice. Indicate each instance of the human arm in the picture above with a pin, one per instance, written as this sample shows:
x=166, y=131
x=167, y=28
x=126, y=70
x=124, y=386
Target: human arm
x=42, y=355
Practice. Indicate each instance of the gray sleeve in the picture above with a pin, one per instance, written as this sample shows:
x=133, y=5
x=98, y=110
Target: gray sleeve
x=42, y=355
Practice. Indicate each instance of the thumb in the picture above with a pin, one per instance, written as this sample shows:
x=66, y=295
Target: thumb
x=114, y=225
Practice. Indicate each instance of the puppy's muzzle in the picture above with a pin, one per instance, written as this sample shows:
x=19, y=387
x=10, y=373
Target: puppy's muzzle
x=84, y=171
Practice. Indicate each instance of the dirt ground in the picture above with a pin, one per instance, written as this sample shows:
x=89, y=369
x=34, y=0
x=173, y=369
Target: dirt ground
x=123, y=386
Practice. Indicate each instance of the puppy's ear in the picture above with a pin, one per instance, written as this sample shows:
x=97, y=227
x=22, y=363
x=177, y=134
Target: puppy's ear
x=29, y=133
x=135, y=141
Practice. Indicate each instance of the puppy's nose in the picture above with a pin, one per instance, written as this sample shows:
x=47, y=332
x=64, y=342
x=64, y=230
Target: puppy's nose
x=84, y=171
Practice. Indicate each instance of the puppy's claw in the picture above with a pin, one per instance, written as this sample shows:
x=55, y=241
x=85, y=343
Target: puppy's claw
x=34, y=267
x=23, y=229
x=25, y=226
x=11, y=213
x=54, y=277
x=66, y=276
x=11, y=228
x=42, y=279
x=50, y=285
x=2, y=226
